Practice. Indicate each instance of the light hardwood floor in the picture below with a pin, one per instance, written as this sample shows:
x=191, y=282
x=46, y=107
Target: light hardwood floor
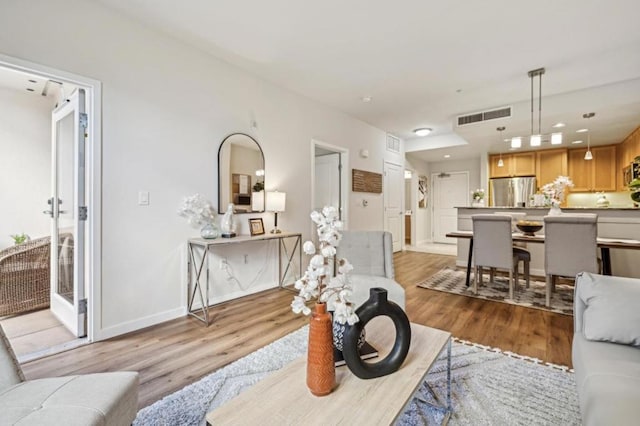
x=171, y=355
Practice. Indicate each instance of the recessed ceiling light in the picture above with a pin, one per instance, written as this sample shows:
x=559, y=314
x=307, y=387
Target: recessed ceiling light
x=32, y=81
x=459, y=91
x=366, y=99
x=558, y=125
x=29, y=89
x=582, y=130
x=576, y=142
x=447, y=156
x=423, y=131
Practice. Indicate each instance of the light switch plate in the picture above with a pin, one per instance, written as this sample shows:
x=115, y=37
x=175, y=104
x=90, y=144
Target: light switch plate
x=143, y=198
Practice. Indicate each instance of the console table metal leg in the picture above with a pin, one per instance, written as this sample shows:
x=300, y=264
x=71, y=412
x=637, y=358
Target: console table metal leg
x=197, y=285
x=290, y=259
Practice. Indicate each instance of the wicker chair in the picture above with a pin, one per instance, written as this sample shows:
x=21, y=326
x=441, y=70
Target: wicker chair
x=24, y=277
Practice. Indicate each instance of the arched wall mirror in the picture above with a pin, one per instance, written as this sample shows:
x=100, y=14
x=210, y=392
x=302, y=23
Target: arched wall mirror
x=240, y=174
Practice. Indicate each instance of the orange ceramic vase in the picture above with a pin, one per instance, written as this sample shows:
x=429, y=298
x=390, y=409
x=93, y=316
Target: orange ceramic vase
x=321, y=370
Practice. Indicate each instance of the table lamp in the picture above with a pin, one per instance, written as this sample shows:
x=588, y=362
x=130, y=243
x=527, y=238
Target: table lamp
x=275, y=203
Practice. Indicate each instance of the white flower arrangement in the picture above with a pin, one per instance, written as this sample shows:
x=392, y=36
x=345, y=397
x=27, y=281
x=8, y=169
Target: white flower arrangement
x=317, y=284
x=197, y=210
x=478, y=194
x=554, y=191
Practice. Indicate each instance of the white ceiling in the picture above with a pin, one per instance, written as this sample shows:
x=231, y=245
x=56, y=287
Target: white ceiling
x=423, y=62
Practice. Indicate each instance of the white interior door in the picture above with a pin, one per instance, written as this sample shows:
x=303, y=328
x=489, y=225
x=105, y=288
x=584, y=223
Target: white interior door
x=450, y=190
x=327, y=181
x=68, y=214
x=393, y=211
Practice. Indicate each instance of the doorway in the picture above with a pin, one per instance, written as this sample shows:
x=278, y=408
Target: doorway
x=31, y=95
x=393, y=206
x=450, y=190
x=329, y=185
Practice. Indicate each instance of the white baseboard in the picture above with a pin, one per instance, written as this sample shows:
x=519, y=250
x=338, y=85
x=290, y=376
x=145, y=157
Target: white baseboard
x=137, y=324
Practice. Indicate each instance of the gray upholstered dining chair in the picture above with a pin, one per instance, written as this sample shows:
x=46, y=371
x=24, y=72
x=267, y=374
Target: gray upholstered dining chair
x=493, y=248
x=570, y=247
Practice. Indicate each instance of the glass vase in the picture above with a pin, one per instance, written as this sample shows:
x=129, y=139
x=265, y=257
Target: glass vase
x=209, y=231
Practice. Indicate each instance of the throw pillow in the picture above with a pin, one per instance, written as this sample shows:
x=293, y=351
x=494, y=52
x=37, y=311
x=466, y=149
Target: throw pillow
x=611, y=313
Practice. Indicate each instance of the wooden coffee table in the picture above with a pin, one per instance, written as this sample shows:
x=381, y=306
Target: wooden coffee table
x=282, y=398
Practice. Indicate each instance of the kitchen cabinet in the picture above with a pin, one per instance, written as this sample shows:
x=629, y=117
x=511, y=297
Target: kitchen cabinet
x=628, y=150
x=518, y=164
x=550, y=163
x=598, y=174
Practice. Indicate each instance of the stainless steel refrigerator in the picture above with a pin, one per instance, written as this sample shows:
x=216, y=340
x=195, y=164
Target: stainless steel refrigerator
x=512, y=192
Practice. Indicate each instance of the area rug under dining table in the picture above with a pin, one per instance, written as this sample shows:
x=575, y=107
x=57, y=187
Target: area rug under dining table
x=451, y=280
x=489, y=387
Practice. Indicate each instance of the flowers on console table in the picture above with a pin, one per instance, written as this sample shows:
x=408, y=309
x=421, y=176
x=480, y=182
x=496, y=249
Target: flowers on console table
x=316, y=284
x=554, y=191
x=197, y=210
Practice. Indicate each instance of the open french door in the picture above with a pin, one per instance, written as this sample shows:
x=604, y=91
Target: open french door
x=68, y=214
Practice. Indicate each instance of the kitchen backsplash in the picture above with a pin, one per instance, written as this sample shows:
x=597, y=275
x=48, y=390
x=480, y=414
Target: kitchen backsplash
x=617, y=199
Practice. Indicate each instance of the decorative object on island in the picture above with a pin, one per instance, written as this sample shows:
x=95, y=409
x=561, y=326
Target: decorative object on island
x=378, y=304
x=275, y=203
x=478, y=198
x=199, y=212
x=319, y=286
x=529, y=227
x=256, y=227
x=554, y=193
x=228, y=224
x=602, y=201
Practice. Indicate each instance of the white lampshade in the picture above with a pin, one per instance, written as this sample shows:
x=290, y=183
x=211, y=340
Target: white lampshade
x=516, y=142
x=556, y=138
x=276, y=201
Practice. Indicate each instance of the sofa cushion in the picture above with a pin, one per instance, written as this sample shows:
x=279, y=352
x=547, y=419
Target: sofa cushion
x=92, y=399
x=608, y=380
x=607, y=316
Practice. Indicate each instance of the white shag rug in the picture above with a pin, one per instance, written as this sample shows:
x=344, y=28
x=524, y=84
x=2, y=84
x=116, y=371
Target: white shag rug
x=489, y=387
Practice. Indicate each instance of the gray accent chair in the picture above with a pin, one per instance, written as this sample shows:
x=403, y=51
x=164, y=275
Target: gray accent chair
x=371, y=254
x=493, y=248
x=606, y=349
x=570, y=247
x=91, y=399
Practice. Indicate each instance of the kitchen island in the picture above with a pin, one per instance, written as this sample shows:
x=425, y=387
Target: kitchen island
x=612, y=223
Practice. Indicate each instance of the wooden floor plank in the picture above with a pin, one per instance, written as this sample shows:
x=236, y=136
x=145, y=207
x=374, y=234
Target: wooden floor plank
x=174, y=354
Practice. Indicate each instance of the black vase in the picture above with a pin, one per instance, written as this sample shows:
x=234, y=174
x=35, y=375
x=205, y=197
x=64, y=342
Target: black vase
x=377, y=305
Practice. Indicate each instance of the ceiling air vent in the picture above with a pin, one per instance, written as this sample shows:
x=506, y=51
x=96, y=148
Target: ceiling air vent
x=478, y=117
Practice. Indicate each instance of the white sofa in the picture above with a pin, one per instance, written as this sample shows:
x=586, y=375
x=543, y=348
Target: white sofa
x=93, y=399
x=371, y=254
x=606, y=349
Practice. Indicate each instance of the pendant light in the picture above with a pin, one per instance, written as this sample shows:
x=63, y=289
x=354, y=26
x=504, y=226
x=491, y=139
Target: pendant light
x=536, y=139
x=588, y=155
x=500, y=162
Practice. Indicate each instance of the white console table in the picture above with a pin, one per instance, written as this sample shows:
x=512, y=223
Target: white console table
x=198, y=261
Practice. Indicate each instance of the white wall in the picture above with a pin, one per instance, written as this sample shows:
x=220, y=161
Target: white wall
x=25, y=163
x=166, y=108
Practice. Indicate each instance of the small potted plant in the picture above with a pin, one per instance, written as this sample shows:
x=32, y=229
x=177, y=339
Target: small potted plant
x=20, y=238
x=634, y=187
